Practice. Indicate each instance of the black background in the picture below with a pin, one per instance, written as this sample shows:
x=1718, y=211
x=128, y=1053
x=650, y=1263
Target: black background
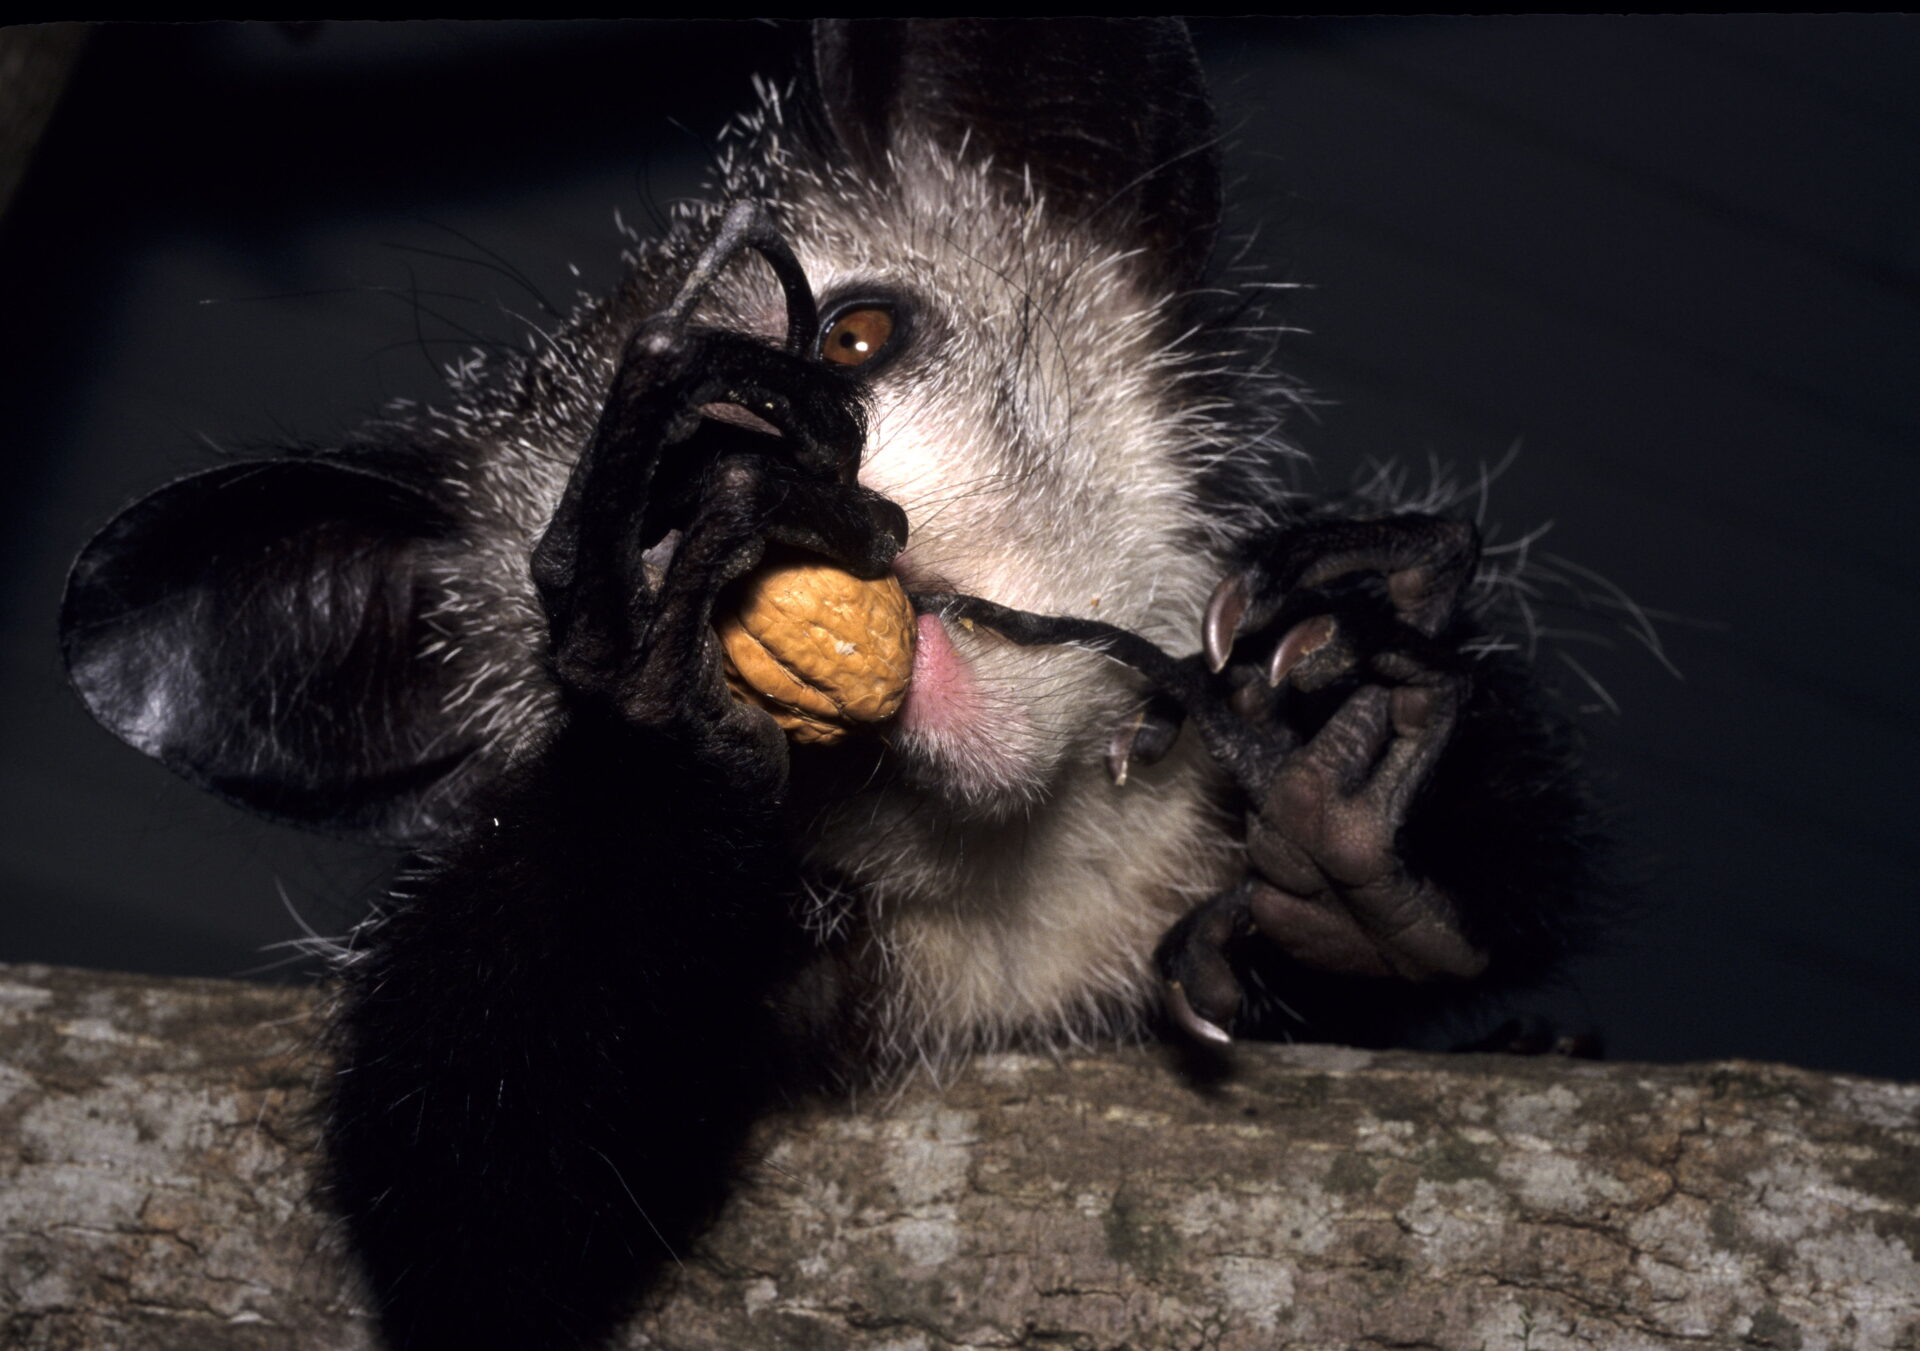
x=1673, y=260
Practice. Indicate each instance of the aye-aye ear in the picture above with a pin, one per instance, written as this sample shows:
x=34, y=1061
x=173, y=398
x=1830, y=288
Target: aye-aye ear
x=1110, y=117
x=258, y=628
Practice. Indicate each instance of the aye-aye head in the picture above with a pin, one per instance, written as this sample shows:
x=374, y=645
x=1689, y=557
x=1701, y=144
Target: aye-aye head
x=350, y=639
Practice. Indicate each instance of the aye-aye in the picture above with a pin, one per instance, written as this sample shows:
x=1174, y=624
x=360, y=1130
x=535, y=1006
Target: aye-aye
x=1180, y=749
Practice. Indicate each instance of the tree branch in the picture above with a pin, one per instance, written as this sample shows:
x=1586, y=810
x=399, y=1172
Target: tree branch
x=155, y=1137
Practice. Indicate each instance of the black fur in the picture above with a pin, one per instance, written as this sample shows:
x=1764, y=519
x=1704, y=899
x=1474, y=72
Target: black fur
x=546, y=1074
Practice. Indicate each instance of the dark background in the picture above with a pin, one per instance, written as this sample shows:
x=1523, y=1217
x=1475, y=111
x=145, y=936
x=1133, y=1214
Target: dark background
x=1674, y=260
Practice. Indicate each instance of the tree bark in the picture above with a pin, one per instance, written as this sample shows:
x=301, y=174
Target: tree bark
x=156, y=1135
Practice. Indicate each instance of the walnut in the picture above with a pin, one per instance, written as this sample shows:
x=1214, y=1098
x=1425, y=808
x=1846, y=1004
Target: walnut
x=818, y=648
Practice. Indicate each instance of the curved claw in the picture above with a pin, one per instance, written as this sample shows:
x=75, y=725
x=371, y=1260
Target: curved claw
x=749, y=225
x=1302, y=641
x=1225, y=609
x=1145, y=738
x=1181, y=1011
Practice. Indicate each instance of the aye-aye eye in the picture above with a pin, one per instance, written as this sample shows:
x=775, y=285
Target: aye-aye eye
x=858, y=334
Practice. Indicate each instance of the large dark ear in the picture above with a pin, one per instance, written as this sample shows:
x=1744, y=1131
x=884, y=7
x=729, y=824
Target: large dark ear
x=1109, y=116
x=259, y=628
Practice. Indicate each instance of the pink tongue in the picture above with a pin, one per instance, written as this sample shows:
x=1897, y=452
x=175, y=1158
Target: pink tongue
x=943, y=691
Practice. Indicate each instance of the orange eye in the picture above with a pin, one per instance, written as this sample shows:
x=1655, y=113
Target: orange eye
x=858, y=336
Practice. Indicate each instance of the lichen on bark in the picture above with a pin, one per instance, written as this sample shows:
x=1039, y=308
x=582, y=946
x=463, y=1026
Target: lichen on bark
x=155, y=1191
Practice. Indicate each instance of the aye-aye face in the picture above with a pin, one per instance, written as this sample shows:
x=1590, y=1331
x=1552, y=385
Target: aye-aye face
x=1027, y=414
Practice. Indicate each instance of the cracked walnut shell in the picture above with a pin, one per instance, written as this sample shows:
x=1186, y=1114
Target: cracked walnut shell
x=819, y=648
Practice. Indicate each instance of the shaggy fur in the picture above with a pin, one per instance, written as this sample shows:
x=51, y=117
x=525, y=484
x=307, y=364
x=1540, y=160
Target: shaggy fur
x=621, y=937
x=1058, y=441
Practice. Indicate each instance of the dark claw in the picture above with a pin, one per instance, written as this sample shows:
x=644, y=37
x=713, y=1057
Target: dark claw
x=1225, y=609
x=1302, y=641
x=747, y=225
x=1190, y=1022
x=1144, y=738
x=1201, y=992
